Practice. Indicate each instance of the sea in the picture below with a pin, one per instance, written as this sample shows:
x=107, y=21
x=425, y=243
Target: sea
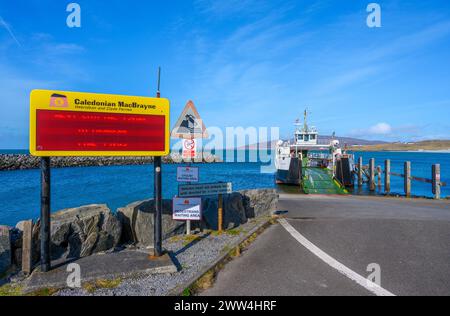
x=118, y=186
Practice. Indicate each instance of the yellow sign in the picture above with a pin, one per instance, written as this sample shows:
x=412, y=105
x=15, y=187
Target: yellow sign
x=88, y=124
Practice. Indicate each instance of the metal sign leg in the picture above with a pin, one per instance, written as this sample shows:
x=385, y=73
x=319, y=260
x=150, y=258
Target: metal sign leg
x=45, y=214
x=158, y=209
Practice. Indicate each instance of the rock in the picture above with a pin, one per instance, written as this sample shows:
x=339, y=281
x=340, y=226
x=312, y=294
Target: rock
x=234, y=213
x=17, y=257
x=19, y=225
x=5, y=249
x=137, y=222
x=260, y=202
x=82, y=231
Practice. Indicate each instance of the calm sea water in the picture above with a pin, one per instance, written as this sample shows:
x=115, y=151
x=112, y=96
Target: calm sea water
x=118, y=186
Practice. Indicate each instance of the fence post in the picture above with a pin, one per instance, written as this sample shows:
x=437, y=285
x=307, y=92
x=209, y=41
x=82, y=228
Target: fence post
x=372, y=174
x=407, y=178
x=436, y=176
x=387, y=176
x=360, y=171
x=27, y=247
x=379, y=177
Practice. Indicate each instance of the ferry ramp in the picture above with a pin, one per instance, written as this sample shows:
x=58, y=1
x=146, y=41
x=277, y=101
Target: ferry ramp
x=320, y=181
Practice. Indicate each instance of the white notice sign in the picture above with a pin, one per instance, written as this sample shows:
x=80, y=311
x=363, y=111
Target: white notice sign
x=187, y=174
x=189, y=149
x=187, y=209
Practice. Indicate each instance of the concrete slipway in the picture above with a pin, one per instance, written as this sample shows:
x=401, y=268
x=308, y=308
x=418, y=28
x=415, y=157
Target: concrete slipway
x=409, y=239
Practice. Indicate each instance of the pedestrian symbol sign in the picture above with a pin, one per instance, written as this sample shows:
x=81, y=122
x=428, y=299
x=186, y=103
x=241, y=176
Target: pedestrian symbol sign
x=189, y=125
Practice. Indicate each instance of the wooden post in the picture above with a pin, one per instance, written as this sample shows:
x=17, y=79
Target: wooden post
x=379, y=177
x=436, y=177
x=27, y=248
x=372, y=174
x=387, y=176
x=360, y=171
x=220, y=214
x=407, y=178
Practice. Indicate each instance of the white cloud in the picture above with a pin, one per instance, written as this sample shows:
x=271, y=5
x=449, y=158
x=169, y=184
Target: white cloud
x=380, y=129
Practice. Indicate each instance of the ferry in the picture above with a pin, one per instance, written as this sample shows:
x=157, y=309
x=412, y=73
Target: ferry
x=317, y=168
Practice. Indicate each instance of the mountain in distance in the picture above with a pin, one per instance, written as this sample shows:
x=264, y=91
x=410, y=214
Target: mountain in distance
x=324, y=140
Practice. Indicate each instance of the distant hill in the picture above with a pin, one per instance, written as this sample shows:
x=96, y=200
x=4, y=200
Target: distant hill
x=324, y=140
x=429, y=145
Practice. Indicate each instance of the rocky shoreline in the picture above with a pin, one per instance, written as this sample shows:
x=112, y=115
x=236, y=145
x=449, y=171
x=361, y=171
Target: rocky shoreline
x=9, y=162
x=87, y=230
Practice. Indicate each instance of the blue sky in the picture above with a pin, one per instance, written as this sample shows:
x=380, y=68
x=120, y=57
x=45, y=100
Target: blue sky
x=242, y=62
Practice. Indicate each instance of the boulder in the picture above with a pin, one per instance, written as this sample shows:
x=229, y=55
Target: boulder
x=259, y=202
x=5, y=249
x=234, y=213
x=137, y=222
x=82, y=231
x=239, y=206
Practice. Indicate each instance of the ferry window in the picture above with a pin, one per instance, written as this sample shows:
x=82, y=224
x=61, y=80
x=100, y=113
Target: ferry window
x=307, y=138
x=313, y=137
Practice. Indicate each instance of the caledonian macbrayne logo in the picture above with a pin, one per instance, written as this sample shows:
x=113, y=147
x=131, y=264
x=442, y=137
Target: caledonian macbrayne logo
x=58, y=101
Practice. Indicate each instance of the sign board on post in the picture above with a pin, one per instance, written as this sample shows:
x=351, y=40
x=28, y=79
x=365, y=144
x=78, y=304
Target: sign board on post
x=187, y=209
x=187, y=174
x=88, y=124
x=189, y=149
x=187, y=190
x=189, y=125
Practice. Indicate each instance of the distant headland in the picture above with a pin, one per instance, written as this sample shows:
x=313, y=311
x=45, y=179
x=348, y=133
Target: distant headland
x=423, y=146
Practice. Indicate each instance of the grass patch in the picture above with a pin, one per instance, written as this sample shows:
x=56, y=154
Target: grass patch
x=91, y=287
x=188, y=239
x=234, y=231
x=11, y=290
x=186, y=292
x=205, y=282
x=43, y=292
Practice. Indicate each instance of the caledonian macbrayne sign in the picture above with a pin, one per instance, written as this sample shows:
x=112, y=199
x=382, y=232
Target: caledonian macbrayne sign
x=89, y=124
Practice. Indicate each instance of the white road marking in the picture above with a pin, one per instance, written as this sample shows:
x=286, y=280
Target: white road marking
x=367, y=284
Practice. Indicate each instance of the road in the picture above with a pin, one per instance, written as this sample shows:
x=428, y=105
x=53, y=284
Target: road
x=409, y=240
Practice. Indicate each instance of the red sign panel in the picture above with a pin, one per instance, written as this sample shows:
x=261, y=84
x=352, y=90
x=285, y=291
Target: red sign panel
x=88, y=131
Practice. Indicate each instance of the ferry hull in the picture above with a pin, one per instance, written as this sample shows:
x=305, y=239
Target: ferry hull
x=291, y=175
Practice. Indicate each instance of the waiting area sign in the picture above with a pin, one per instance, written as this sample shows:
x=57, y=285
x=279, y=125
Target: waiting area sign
x=89, y=124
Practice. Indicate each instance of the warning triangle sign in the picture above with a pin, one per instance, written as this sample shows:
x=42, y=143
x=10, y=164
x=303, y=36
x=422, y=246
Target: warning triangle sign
x=189, y=125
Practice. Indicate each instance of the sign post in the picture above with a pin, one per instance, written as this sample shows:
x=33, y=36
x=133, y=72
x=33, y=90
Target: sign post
x=157, y=217
x=187, y=174
x=45, y=215
x=65, y=124
x=189, y=127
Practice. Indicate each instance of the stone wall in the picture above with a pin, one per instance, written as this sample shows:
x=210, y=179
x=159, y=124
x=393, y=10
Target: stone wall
x=238, y=207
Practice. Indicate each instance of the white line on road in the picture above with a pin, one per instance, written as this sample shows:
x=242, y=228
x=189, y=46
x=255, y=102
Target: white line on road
x=367, y=284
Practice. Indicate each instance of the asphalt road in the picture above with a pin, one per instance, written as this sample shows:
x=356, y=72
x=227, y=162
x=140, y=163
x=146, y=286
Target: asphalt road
x=408, y=239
